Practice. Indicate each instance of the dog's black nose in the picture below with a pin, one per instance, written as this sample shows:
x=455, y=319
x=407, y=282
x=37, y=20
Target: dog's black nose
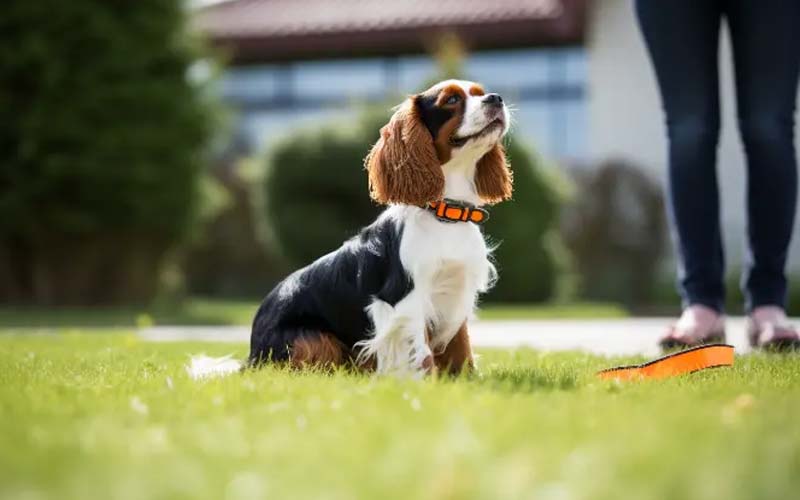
x=493, y=100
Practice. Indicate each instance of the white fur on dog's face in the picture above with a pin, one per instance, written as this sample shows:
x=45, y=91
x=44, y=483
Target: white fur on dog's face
x=481, y=123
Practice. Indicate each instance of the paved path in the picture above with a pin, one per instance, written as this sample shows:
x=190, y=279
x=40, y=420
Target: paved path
x=602, y=336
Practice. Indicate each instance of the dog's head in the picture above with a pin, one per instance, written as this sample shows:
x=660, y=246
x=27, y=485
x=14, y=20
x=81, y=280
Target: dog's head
x=453, y=122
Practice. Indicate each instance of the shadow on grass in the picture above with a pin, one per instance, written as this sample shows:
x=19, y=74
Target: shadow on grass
x=525, y=379
x=520, y=379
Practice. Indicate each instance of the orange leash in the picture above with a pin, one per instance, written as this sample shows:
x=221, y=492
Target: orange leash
x=679, y=363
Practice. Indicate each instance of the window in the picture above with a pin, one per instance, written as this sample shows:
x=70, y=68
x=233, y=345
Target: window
x=545, y=87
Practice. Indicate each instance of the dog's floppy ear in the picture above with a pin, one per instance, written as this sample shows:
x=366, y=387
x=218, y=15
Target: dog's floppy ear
x=493, y=178
x=403, y=166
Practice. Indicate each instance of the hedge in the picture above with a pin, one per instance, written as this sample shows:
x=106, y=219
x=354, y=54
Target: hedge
x=529, y=256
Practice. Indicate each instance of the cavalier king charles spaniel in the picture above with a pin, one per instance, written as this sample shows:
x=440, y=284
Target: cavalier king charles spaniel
x=396, y=298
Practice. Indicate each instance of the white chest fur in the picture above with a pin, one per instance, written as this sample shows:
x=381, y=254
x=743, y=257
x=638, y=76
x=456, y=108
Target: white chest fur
x=449, y=265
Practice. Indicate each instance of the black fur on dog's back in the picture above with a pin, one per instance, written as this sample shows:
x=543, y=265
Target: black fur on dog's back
x=330, y=295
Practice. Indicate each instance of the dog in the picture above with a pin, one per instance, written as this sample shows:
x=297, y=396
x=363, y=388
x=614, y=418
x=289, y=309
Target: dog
x=396, y=298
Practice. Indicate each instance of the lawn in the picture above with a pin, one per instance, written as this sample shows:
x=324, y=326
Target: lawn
x=108, y=416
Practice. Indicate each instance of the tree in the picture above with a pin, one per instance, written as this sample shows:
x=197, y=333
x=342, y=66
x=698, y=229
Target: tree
x=102, y=136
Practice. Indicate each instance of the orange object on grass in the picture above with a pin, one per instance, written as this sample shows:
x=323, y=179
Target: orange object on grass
x=679, y=363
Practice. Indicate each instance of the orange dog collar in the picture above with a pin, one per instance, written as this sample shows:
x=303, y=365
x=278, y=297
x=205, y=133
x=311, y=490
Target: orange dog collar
x=458, y=211
x=679, y=363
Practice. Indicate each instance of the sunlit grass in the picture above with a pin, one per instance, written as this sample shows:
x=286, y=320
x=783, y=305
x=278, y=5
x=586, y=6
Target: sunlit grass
x=112, y=417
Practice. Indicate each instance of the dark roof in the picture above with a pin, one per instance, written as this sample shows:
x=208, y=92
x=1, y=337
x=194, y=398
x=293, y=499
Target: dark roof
x=274, y=30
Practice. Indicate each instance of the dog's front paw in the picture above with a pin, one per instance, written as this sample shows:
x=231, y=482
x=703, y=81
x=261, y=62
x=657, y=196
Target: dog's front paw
x=408, y=358
x=422, y=361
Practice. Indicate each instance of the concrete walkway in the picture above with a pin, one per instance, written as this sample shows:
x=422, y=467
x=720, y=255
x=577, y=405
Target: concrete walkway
x=602, y=336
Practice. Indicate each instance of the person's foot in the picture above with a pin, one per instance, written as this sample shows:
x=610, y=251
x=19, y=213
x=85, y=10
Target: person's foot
x=698, y=325
x=769, y=329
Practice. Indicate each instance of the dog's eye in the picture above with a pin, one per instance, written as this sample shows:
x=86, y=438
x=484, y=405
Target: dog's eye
x=453, y=99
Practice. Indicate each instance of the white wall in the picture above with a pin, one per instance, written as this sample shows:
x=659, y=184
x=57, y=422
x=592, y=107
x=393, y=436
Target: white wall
x=625, y=117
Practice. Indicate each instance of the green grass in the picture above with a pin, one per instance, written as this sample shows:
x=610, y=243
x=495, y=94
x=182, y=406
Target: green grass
x=111, y=417
x=201, y=311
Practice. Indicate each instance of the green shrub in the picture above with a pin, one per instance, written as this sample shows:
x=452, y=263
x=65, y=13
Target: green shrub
x=316, y=188
x=230, y=256
x=616, y=232
x=101, y=137
x=316, y=196
x=529, y=257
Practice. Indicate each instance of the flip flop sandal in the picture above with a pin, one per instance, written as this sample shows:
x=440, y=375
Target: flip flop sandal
x=672, y=341
x=773, y=338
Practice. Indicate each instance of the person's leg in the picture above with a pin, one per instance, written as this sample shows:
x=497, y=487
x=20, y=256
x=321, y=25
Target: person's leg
x=682, y=37
x=766, y=48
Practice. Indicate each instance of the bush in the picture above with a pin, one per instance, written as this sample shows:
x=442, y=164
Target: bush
x=529, y=255
x=101, y=136
x=316, y=196
x=616, y=232
x=230, y=257
x=316, y=188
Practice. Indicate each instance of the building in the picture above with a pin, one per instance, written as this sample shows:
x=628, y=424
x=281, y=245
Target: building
x=301, y=61
x=576, y=72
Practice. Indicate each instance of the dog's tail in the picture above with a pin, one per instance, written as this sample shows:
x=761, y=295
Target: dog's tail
x=204, y=367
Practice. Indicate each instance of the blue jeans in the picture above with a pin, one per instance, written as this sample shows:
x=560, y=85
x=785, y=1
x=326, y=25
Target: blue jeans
x=682, y=37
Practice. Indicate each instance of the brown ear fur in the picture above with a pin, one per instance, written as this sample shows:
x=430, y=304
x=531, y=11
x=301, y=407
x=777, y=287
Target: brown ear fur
x=403, y=166
x=493, y=178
